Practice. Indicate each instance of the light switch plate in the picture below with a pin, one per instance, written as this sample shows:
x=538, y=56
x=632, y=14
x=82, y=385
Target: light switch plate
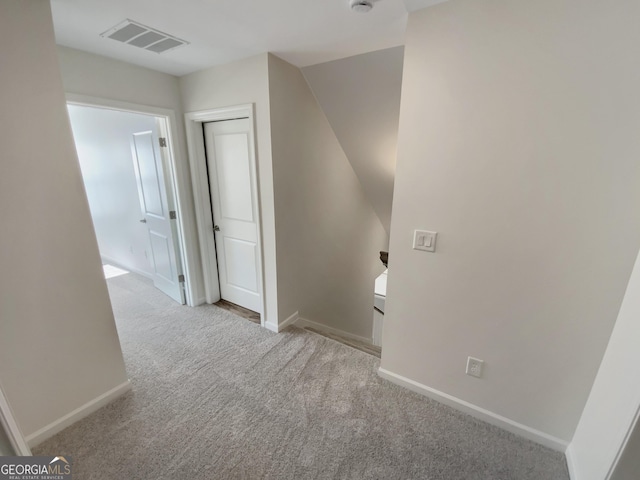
x=424, y=240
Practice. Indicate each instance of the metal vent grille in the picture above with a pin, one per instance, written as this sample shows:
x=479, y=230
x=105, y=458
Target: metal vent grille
x=141, y=36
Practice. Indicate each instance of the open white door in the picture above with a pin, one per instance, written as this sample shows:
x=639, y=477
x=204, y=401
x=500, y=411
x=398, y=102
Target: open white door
x=157, y=213
x=232, y=175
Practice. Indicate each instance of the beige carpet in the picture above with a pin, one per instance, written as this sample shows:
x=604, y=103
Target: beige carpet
x=217, y=397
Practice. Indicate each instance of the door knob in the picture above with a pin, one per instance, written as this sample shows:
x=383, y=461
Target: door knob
x=144, y=220
x=216, y=228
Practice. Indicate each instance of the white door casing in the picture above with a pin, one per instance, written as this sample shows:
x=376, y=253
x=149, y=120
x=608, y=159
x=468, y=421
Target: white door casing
x=156, y=213
x=232, y=180
x=11, y=429
x=176, y=175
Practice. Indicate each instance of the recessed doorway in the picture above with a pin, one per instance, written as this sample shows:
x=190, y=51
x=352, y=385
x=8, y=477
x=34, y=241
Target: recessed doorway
x=225, y=181
x=128, y=169
x=234, y=206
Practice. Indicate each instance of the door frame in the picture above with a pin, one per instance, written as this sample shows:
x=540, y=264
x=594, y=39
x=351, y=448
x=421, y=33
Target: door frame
x=11, y=427
x=635, y=421
x=175, y=176
x=200, y=182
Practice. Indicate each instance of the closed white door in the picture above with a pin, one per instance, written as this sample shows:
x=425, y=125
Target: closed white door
x=235, y=213
x=156, y=214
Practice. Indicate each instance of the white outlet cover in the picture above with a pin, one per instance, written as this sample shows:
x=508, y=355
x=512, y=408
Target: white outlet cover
x=424, y=240
x=474, y=367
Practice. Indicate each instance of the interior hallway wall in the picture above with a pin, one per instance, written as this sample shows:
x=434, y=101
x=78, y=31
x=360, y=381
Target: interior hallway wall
x=519, y=145
x=103, y=142
x=240, y=83
x=59, y=348
x=318, y=227
x=328, y=235
x=360, y=96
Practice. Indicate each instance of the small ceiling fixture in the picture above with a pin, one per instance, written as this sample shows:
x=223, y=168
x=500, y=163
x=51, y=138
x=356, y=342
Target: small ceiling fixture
x=361, y=6
x=141, y=36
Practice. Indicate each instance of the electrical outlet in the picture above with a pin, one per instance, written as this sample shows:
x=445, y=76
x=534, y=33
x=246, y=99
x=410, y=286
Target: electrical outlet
x=474, y=367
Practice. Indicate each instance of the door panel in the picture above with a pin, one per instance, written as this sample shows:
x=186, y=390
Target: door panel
x=161, y=255
x=152, y=190
x=233, y=200
x=240, y=263
x=146, y=162
x=232, y=155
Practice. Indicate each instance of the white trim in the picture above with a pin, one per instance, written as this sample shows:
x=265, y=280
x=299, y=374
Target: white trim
x=202, y=202
x=290, y=320
x=571, y=467
x=303, y=322
x=11, y=427
x=202, y=206
x=223, y=113
x=271, y=327
x=480, y=413
x=623, y=444
x=79, y=413
x=179, y=175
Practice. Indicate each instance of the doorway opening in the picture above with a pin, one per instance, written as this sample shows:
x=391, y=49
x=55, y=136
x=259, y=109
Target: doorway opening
x=224, y=173
x=129, y=173
x=234, y=209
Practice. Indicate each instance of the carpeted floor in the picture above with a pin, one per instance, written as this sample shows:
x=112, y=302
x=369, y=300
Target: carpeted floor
x=217, y=397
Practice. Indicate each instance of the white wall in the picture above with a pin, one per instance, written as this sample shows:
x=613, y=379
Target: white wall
x=328, y=235
x=360, y=97
x=59, y=347
x=105, y=78
x=88, y=74
x=323, y=271
x=103, y=142
x=615, y=396
x=518, y=144
x=239, y=83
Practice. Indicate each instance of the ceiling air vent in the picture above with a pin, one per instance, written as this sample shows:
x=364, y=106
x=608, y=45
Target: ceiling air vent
x=141, y=36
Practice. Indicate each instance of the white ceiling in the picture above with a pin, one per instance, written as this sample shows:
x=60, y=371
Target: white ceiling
x=302, y=32
x=413, y=5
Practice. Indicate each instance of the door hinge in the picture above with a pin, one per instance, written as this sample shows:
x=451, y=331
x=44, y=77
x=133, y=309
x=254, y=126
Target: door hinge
x=181, y=278
x=163, y=141
x=172, y=215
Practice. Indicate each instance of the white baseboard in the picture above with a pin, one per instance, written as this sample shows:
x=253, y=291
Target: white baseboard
x=478, y=412
x=289, y=321
x=115, y=263
x=79, y=413
x=303, y=322
x=573, y=473
x=282, y=325
x=271, y=326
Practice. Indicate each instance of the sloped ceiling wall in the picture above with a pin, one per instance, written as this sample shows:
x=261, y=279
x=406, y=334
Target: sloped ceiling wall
x=360, y=96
